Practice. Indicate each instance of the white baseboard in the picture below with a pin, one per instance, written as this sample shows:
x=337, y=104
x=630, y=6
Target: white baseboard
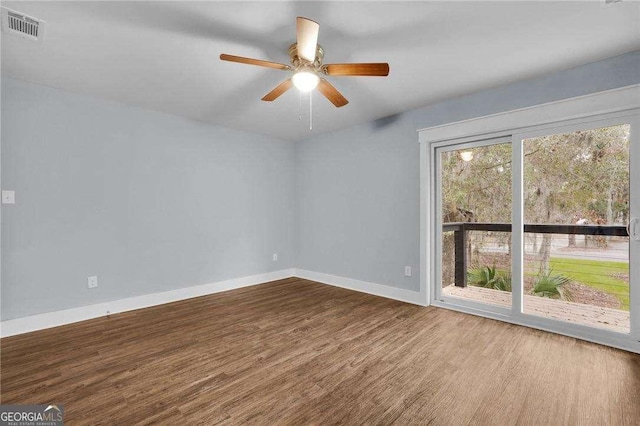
x=67, y=316
x=16, y=326
x=389, y=292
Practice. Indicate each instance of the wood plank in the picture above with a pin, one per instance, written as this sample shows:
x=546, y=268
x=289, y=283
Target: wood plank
x=578, y=313
x=298, y=352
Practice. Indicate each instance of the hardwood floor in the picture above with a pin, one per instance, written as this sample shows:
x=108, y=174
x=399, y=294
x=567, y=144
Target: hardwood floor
x=298, y=352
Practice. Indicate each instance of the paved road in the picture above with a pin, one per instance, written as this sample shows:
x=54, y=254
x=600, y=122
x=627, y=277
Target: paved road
x=616, y=250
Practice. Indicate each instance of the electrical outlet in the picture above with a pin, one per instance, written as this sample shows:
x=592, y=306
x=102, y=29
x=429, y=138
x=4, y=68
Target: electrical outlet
x=92, y=282
x=275, y=257
x=407, y=271
x=8, y=197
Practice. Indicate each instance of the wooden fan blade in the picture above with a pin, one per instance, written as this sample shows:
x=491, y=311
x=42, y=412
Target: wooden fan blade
x=307, y=38
x=279, y=90
x=250, y=61
x=332, y=93
x=374, y=69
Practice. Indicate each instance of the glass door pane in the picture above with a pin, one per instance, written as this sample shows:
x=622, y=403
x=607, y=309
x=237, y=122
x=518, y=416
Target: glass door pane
x=576, y=192
x=475, y=200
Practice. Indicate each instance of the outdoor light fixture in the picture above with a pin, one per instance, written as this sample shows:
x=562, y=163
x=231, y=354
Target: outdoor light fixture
x=466, y=155
x=305, y=80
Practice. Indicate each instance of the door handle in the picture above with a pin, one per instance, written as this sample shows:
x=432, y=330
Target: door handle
x=632, y=229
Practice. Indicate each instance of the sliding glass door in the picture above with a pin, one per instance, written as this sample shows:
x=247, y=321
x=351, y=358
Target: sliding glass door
x=576, y=205
x=475, y=212
x=541, y=226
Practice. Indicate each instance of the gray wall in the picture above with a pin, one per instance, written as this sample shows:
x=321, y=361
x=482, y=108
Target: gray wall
x=357, y=190
x=146, y=201
x=150, y=202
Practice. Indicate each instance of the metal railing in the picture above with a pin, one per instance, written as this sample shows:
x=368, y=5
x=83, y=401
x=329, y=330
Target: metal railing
x=460, y=230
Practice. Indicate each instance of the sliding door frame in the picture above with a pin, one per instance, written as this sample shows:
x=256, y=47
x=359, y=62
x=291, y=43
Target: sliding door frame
x=437, y=263
x=624, y=118
x=619, y=106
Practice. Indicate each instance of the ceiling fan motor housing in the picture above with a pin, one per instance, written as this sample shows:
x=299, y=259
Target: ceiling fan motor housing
x=298, y=62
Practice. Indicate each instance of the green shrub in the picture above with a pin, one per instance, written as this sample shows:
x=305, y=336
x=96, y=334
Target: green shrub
x=551, y=286
x=488, y=277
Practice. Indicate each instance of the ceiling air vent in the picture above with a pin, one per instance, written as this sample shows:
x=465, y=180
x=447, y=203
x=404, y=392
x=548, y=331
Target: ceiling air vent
x=22, y=25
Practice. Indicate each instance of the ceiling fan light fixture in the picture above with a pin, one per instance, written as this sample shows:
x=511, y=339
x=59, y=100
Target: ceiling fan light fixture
x=305, y=80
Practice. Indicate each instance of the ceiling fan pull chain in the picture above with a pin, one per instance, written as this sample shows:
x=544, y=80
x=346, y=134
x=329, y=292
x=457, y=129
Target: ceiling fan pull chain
x=299, y=105
x=310, y=111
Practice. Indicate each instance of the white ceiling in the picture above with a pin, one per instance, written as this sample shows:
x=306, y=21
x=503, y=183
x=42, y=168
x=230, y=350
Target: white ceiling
x=164, y=55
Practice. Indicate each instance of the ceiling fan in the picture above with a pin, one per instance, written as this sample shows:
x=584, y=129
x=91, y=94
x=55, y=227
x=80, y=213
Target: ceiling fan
x=306, y=63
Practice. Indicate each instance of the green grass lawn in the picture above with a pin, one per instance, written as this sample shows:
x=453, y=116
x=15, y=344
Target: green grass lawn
x=596, y=274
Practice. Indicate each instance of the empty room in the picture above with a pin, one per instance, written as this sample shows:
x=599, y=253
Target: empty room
x=312, y=212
